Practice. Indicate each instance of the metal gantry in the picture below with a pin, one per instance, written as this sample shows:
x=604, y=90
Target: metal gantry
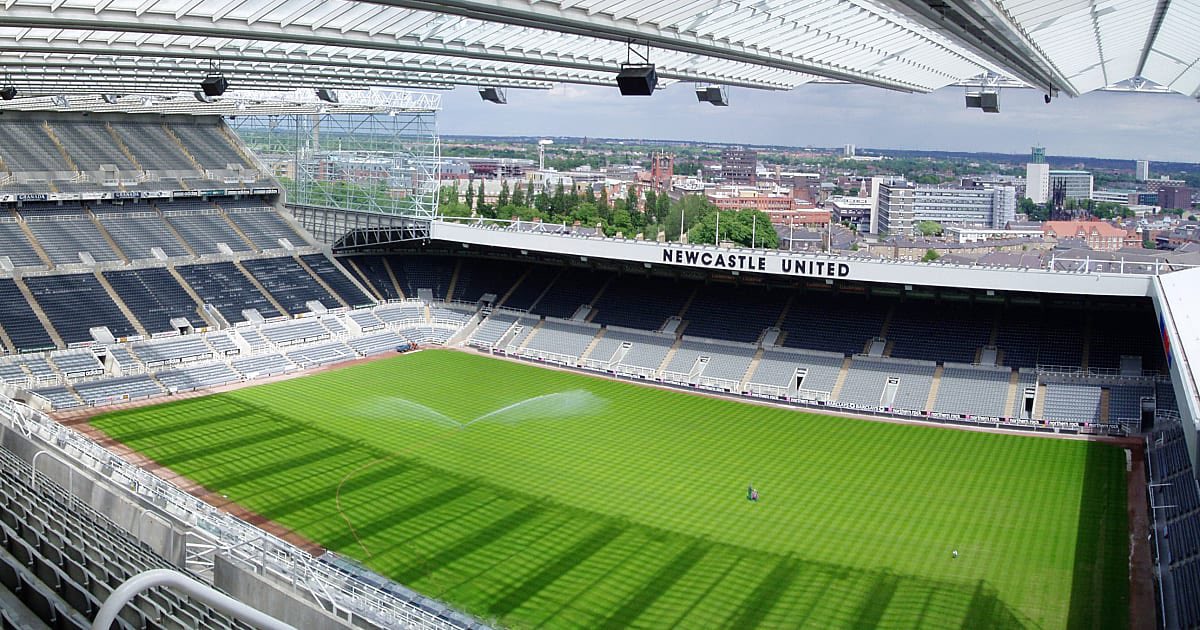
x=385, y=161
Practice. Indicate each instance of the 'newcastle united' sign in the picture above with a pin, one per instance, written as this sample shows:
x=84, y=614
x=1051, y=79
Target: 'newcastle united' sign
x=752, y=262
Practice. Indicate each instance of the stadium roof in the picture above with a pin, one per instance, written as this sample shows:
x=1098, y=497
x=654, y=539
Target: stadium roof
x=139, y=46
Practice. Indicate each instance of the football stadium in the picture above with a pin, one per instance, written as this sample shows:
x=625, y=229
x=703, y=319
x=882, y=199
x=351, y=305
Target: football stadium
x=248, y=379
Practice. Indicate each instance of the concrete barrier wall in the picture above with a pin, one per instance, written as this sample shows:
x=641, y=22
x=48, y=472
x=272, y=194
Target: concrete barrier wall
x=278, y=601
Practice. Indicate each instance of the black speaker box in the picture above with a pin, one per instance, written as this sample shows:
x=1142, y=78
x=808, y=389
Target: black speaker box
x=637, y=80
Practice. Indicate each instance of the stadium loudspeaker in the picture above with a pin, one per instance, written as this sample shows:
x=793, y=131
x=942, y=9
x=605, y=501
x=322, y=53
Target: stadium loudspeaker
x=8, y=92
x=714, y=94
x=327, y=95
x=214, y=85
x=990, y=102
x=637, y=79
x=493, y=95
x=111, y=99
x=974, y=101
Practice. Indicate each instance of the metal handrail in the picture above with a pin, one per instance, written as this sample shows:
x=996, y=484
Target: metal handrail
x=208, y=595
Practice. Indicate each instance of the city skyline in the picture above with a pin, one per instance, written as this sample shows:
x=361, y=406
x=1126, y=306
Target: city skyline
x=1133, y=126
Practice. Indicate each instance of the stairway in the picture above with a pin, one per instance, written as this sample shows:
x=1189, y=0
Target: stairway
x=1039, y=401
x=121, y=145
x=592, y=346
x=112, y=293
x=1105, y=404
x=391, y=274
x=366, y=286
x=320, y=281
x=525, y=341
x=108, y=238
x=1013, y=391
x=453, y=280
x=238, y=230
x=670, y=357
x=258, y=285
x=841, y=379
x=179, y=237
x=744, y=385
x=37, y=247
x=933, y=388
x=62, y=148
x=195, y=296
x=504, y=298
x=8, y=343
x=182, y=148
x=41, y=315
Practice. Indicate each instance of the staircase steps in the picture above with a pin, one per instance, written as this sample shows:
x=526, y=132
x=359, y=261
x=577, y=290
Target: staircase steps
x=745, y=382
x=108, y=238
x=1013, y=391
x=116, y=138
x=391, y=274
x=195, y=296
x=667, y=359
x=112, y=293
x=62, y=148
x=262, y=289
x=453, y=280
x=592, y=346
x=41, y=315
x=179, y=143
x=37, y=247
x=320, y=281
x=841, y=379
x=933, y=388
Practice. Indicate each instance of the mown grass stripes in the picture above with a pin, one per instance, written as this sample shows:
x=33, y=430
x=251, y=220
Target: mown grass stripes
x=593, y=503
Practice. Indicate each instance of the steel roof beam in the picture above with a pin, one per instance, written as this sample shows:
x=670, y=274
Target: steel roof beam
x=550, y=52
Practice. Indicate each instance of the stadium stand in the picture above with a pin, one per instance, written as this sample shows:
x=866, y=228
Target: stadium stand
x=376, y=343
x=295, y=332
x=155, y=297
x=197, y=377
x=265, y=227
x=1072, y=403
x=1125, y=401
x=533, y=284
x=887, y=383
x=312, y=356
x=778, y=368
x=90, y=146
x=19, y=321
x=944, y=332
x=76, y=303
x=816, y=321
x=732, y=313
x=65, y=232
x=118, y=389
x=15, y=244
x=289, y=284
x=561, y=341
x=433, y=273
x=474, y=281
x=263, y=365
x=339, y=282
x=154, y=148
x=172, y=350
x=224, y=287
x=137, y=229
x=207, y=145
x=60, y=397
x=492, y=330
x=204, y=229
x=973, y=390
x=374, y=272
x=1052, y=337
x=570, y=290
x=73, y=364
x=23, y=142
x=640, y=302
x=63, y=559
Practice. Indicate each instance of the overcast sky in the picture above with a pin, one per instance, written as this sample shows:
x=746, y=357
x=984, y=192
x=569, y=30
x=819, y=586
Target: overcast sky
x=1099, y=124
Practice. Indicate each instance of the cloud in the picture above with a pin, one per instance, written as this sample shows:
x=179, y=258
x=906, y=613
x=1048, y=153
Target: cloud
x=1099, y=124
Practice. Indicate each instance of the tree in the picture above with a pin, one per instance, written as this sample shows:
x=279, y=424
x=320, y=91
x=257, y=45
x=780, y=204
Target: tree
x=529, y=193
x=518, y=195
x=480, y=204
x=448, y=195
x=651, y=205
x=692, y=208
x=929, y=228
x=930, y=255
x=502, y=198
x=602, y=205
x=1033, y=210
x=664, y=207
x=750, y=228
x=470, y=193
x=559, y=202
x=589, y=195
x=631, y=200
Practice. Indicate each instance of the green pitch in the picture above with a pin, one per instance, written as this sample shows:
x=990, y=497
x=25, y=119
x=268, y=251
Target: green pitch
x=538, y=498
